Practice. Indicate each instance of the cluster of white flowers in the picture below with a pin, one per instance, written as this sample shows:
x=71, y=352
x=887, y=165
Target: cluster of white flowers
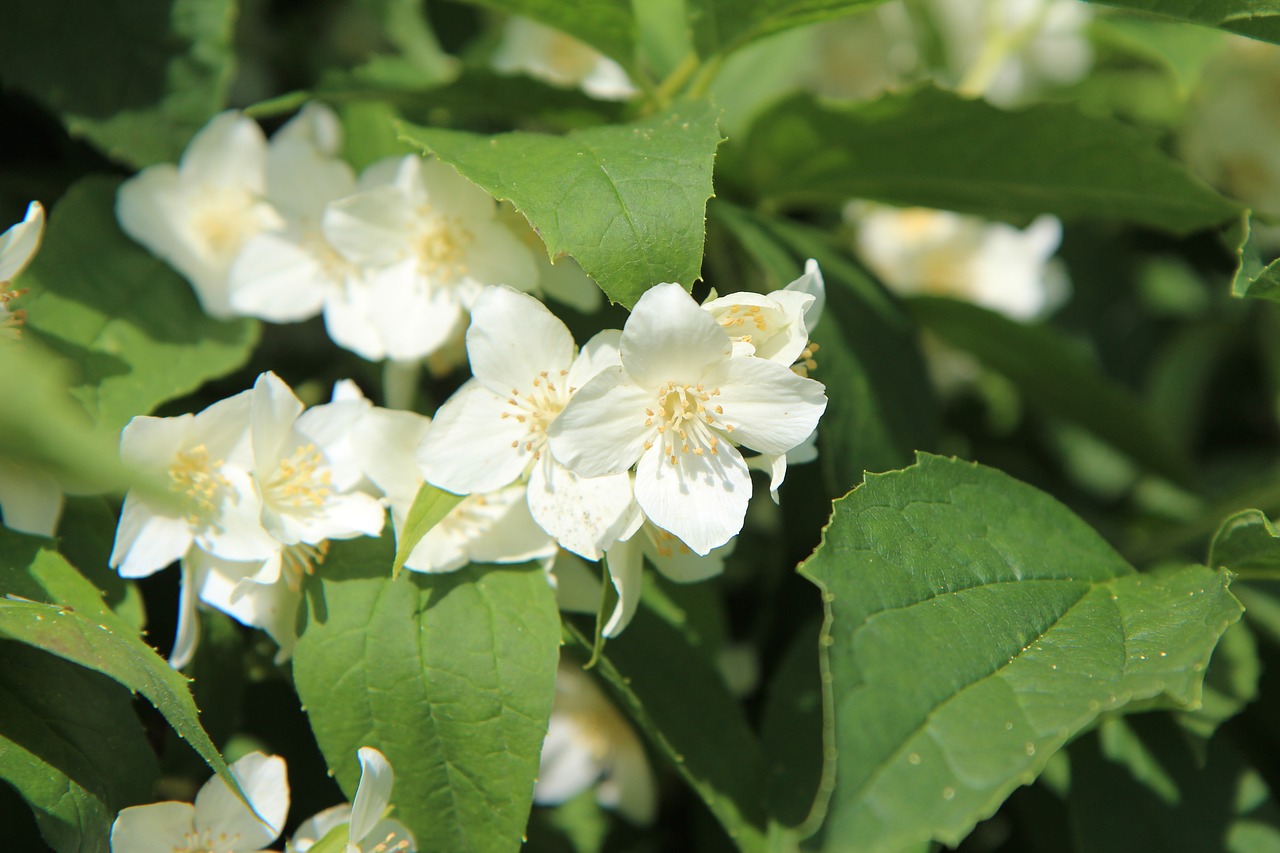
x=283, y=230
x=256, y=488
x=639, y=431
x=219, y=820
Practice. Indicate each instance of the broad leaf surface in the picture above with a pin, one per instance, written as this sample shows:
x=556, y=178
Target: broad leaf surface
x=430, y=505
x=137, y=78
x=1054, y=375
x=975, y=625
x=935, y=149
x=607, y=25
x=720, y=26
x=129, y=323
x=71, y=746
x=450, y=675
x=50, y=606
x=679, y=701
x=1259, y=19
x=880, y=407
x=795, y=733
x=627, y=202
x=1246, y=542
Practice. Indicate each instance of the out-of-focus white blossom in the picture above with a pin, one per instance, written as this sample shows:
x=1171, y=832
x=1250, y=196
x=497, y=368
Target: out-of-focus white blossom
x=367, y=830
x=590, y=743
x=18, y=246
x=531, y=48
x=937, y=252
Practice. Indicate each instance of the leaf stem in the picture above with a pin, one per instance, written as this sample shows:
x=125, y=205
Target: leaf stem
x=400, y=384
x=679, y=75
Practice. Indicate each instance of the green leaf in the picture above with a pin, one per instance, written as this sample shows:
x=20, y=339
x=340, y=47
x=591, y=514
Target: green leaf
x=129, y=323
x=933, y=148
x=607, y=25
x=430, y=505
x=627, y=202
x=72, y=747
x=679, y=701
x=795, y=733
x=721, y=26
x=1246, y=542
x=974, y=626
x=1253, y=278
x=1230, y=683
x=450, y=675
x=52, y=607
x=137, y=78
x=1259, y=19
x=1057, y=376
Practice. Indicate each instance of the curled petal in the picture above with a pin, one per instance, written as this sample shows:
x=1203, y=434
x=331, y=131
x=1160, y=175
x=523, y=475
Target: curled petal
x=373, y=794
x=18, y=245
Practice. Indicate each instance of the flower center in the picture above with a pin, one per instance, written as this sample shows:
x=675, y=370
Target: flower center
x=299, y=561
x=687, y=419
x=392, y=843
x=197, y=481
x=537, y=409
x=441, y=246
x=740, y=320
x=224, y=218
x=205, y=841
x=301, y=481
x=11, y=320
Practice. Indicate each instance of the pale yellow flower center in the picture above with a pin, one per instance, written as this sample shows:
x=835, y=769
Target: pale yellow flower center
x=537, y=409
x=224, y=218
x=196, y=480
x=301, y=481
x=687, y=418
x=441, y=245
x=205, y=841
x=391, y=844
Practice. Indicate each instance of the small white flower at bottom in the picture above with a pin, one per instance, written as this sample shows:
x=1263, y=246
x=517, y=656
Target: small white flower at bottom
x=367, y=830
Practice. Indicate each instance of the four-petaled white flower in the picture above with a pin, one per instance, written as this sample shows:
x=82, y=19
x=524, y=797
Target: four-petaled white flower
x=677, y=407
x=548, y=54
x=590, y=743
x=432, y=241
x=218, y=821
x=368, y=831
x=493, y=431
x=198, y=215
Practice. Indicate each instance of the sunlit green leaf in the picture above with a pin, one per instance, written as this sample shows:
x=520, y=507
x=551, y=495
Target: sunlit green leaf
x=1259, y=19
x=430, y=505
x=974, y=626
x=627, y=202
x=607, y=25
x=451, y=676
x=936, y=149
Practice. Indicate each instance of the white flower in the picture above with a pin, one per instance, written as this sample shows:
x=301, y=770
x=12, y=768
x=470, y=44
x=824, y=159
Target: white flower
x=564, y=280
x=493, y=431
x=367, y=830
x=198, y=215
x=677, y=407
x=290, y=274
x=18, y=246
x=923, y=251
x=548, y=54
x=218, y=820
x=30, y=499
x=431, y=241
x=775, y=464
x=490, y=527
x=589, y=743
x=211, y=503
x=773, y=325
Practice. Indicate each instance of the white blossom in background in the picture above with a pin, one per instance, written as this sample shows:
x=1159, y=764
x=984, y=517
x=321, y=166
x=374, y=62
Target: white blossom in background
x=677, y=407
x=432, y=241
x=493, y=431
x=199, y=214
x=937, y=252
x=18, y=245
x=590, y=743
x=564, y=281
x=367, y=830
x=552, y=56
x=218, y=821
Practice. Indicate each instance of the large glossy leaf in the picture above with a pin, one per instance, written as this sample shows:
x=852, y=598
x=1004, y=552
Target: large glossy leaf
x=450, y=675
x=681, y=704
x=1259, y=19
x=136, y=77
x=50, y=606
x=128, y=322
x=627, y=202
x=1056, y=376
x=607, y=25
x=936, y=149
x=974, y=626
x=880, y=406
x=720, y=26
x=71, y=746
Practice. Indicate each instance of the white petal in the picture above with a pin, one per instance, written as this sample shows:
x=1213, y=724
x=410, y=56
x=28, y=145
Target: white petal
x=228, y=151
x=30, y=500
x=188, y=633
x=274, y=410
x=513, y=338
x=677, y=561
x=155, y=828
x=384, y=442
x=223, y=428
x=602, y=430
x=318, y=826
x=514, y=537
x=370, y=227
x=238, y=533
x=812, y=283
x=701, y=499
x=577, y=584
x=625, y=561
x=448, y=192
x=302, y=172
x=565, y=768
x=18, y=245
x=349, y=322
x=266, y=786
x=585, y=515
x=668, y=337
x=468, y=447
x=630, y=787
x=373, y=794
x=152, y=444
x=275, y=279
x=412, y=319
x=770, y=408
x=147, y=541
x=598, y=353
x=497, y=256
